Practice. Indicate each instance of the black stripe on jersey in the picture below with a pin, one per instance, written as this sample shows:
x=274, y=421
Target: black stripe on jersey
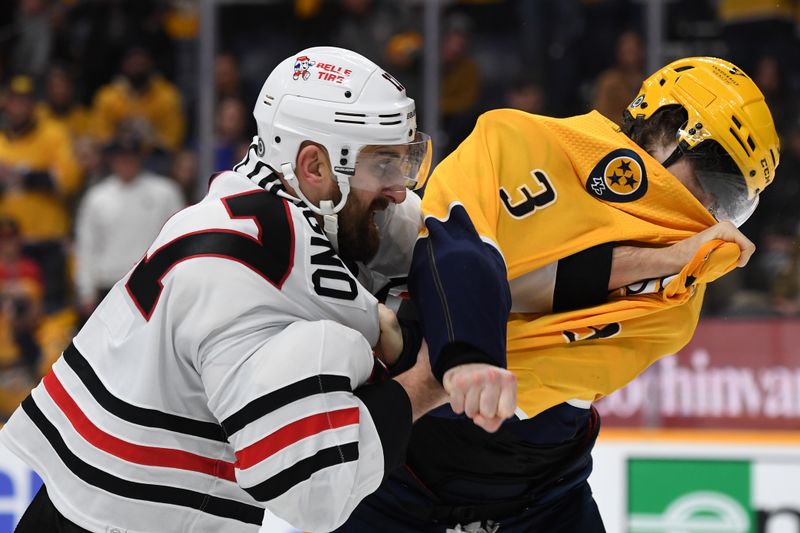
x=270, y=255
x=298, y=390
x=276, y=187
x=132, y=413
x=260, y=165
x=302, y=470
x=96, y=477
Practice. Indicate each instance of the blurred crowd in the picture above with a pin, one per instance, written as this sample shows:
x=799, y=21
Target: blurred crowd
x=98, y=143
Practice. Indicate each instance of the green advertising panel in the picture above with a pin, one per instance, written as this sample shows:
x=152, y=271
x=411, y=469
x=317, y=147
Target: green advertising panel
x=689, y=496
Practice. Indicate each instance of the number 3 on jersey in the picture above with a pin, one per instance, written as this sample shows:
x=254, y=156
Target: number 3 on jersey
x=272, y=260
x=543, y=196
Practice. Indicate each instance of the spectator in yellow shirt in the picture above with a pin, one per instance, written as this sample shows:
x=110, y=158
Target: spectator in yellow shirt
x=38, y=174
x=60, y=105
x=143, y=100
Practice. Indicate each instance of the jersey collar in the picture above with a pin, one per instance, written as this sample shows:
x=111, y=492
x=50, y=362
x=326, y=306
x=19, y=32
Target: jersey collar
x=263, y=175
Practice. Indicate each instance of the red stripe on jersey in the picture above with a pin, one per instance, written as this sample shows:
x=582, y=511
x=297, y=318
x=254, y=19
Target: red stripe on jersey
x=294, y=432
x=134, y=453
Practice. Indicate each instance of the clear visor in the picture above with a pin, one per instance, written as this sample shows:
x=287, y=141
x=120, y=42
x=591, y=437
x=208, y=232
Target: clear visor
x=729, y=196
x=393, y=167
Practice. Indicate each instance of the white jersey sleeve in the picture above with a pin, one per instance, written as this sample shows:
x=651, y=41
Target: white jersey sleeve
x=298, y=431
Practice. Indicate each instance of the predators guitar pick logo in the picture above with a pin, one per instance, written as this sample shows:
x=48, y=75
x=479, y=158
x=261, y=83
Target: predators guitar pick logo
x=619, y=177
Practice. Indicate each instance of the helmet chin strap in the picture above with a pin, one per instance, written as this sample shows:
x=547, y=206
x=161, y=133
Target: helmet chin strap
x=330, y=223
x=327, y=210
x=672, y=158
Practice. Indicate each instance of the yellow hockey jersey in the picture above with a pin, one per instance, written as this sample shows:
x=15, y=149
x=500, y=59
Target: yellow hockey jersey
x=519, y=197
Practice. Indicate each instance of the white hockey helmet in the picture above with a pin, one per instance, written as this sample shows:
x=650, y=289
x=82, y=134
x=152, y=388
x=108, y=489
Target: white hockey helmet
x=346, y=103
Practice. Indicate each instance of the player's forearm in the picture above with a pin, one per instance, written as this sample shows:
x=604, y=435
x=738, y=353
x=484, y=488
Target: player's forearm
x=424, y=392
x=631, y=264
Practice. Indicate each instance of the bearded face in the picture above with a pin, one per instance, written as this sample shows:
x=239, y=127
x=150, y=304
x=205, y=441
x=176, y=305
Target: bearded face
x=372, y=188
x=358, y=235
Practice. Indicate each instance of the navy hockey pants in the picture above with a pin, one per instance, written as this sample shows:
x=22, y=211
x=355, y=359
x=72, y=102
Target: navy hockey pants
x=562, y=502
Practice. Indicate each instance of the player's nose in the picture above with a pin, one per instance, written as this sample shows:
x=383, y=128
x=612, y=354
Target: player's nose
x=396, y=196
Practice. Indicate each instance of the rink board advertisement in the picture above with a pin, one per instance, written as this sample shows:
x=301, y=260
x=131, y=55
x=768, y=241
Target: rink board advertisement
x=698, y=482
x=739, y=374
x=18, y=486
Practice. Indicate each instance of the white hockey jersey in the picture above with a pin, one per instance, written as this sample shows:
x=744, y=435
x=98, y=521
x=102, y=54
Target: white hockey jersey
x=219, y=377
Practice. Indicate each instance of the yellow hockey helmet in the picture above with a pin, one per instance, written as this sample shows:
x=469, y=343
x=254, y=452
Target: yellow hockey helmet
x=730, y=132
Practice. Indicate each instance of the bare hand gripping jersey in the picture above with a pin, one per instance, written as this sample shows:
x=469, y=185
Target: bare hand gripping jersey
x=218, y=377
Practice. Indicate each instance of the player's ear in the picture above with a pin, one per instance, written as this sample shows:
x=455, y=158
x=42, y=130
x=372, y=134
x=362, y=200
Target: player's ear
x=312, y=166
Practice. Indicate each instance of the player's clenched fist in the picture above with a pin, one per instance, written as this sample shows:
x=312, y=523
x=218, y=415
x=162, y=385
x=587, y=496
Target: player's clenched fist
x=485, y=393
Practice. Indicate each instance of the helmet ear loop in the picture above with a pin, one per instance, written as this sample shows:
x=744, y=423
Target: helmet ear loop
x=291, y=179
x=326, y=207
x=287, y=169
